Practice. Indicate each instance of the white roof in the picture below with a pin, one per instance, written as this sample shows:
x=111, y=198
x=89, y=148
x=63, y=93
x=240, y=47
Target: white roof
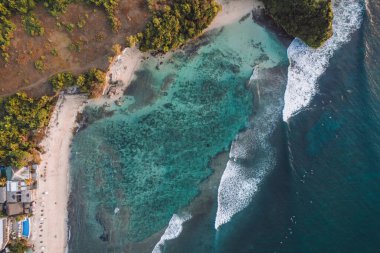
x=12, y=186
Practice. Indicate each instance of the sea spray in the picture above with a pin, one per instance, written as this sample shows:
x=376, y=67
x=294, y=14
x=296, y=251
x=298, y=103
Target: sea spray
x=173, y=230
x=308, y=64
x=251, y=155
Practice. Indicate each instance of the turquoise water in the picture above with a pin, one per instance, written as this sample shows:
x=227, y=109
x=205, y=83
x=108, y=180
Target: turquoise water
x=323, y=195
x=136, y=165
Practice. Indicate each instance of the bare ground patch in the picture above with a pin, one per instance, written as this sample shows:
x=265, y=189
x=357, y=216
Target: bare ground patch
x=77, y=40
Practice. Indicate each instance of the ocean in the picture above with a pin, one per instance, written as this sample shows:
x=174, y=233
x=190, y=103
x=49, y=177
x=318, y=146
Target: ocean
x=300, y=139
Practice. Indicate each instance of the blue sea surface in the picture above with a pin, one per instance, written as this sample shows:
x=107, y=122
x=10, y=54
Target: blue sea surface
x=323, y=195
x=136, y=165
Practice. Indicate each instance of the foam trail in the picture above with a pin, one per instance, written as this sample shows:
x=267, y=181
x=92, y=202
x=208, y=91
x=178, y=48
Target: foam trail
x=173, y=230
x=251, y=154
x=308, y=64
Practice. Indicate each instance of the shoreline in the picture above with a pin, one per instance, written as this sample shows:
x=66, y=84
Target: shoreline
x=233, y=11
x=50, y=221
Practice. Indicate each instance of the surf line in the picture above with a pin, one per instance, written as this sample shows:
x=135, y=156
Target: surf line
x=308, y=64
x=173, y=230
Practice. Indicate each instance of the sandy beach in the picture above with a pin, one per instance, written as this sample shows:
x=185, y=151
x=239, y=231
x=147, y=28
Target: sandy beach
x=232, y=11
x=50, y=231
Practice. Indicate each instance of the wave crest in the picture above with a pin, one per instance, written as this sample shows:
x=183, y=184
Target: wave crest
x=173, y=230
x=251, y=155
x=308, y=64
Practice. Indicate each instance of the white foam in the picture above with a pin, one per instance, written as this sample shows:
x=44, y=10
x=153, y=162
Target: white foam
x=308, y=64
x=173, y=230
x=240, y=181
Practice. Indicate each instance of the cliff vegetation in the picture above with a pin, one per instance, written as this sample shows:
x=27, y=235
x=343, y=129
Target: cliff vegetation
x=309, y=20
x=173, y=23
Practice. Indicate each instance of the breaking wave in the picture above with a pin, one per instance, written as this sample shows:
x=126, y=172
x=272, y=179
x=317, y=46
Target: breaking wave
x=251, y=154
x=173, y=230
x=308, y=64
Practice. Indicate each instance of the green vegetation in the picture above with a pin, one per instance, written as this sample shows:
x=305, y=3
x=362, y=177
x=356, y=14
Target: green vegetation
x=6, y=31
x=92, y=82
x=55, y=7
x=75, y=46
x=54, y=52
x=69, y=27
x=309, y=20
x=32, y=25
x=39, y=65
x=18, y=246
x=20, y=118
x=174, y=22
x=81, y=23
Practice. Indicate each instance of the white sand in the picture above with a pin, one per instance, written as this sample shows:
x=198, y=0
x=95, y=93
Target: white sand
x=49, y=228
x=122, y=69
x=233, y=11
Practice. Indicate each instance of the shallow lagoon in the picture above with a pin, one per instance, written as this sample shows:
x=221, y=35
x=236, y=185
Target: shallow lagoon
x=132, y=169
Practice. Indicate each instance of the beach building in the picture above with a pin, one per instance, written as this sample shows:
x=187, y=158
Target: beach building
x=4, y=233
x=13, y=209
x=19, y=198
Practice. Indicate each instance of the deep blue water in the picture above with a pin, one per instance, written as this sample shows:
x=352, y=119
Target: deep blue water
x=323, y=195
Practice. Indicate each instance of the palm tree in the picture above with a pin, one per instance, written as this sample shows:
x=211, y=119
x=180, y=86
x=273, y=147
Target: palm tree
x=3, y=181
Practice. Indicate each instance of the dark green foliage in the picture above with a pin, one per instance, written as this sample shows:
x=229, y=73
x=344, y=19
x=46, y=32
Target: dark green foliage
x=18, y=246
x=62, y=80
x=309, y=20
x=32, y=25
x=174, y=22
x=56, y=7
x=20, y=117
x=92, y=82
x=19, y=6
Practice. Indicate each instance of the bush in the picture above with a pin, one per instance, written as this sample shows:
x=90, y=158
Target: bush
x=6, y=34
x=309, y=20
x=18, y=246
x=174, y=22
x=62, y=80
x=91, y=82
x=39, y=65
x=20, y=117
x=32, y=25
